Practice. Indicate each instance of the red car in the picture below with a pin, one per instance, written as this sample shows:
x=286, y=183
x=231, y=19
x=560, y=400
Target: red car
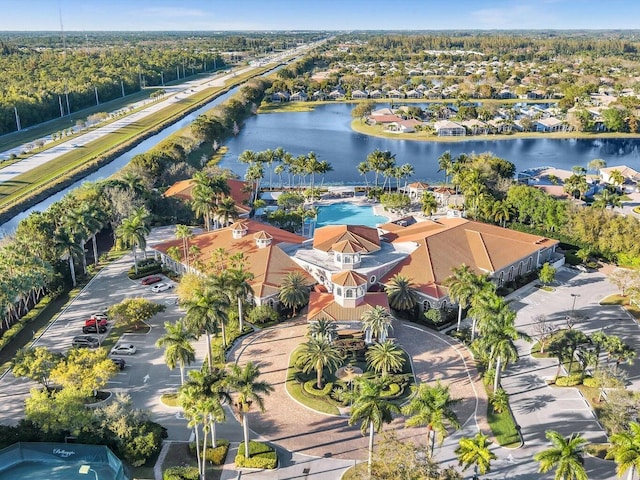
x=151, y=280
x=92, y=321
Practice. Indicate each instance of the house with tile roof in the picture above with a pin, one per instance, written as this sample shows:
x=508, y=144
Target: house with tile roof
x=260, y=244
x=238, y=190
x=442, y=245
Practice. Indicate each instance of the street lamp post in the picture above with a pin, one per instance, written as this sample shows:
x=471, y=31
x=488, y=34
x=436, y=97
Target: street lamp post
x=85, y=469
x=573, y=306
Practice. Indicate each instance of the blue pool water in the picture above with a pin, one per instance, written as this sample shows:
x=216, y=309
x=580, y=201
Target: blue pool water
x=348, y=214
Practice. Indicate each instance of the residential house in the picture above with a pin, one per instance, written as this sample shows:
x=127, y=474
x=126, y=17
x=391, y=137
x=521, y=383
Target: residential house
x=447, y=128
x=403, y=126
x=278, y=97
x=630, y=175
x=299, y=97
x=416, y=189
x=395, y=94
x=375, y=94
x=550, y=124
x=414, y=94
x=359, y=95
x=475, y=127
x=318, y=96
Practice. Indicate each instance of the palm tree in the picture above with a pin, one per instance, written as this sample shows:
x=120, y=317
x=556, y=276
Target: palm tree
x=249, y=390
x=377, y=321
x=616, y=178
x=323, y=328
x=432, y=406
x=428, y=203
x=385, y=357
x=318, y=353
x=445, y=163
x=294, y=291
x=66, y=244
x=202, y=398
x=239, y=287
x=200, y=315
x=204, y=204
x=178, y=349
x=379, y=162
x=184, y=233
x=401, y=292
x=566, y=456
x=625, y=450
x=463, y=285
x=226, y=211
x=501, y=212
x=371, y=410
x=133, y=231
x=475, y=451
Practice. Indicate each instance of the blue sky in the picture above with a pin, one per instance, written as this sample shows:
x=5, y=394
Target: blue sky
x=140, y=15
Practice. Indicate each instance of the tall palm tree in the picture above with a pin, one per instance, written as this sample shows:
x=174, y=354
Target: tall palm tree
x=318, y=354
x=445, y=163
x=401, y=292
x=249, y=390
x=371, y=410
x=204, y=204
x=377, y=321
x=177, y=345
x=202, y=398
x=201, y=317
x=475, y=451
x=239, y=287
x=294, y=291
x=66, y=244
x=463, y=284
x=617, y=178
x=133, y=231
x=323, y=328
x=432, y=406
x=385, y=357
x=565, y=455
x=184, y=233
x=625, y=450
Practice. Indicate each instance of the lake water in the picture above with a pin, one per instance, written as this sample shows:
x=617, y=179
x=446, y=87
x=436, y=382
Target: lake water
x=327, y=132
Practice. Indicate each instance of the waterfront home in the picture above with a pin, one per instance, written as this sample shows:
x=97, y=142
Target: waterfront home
x=359, y=95
x=299, y=97
x=279, y=97
x=416, y=189
x=414, y=94
x=475, y=127
x=403, y=126
x=447, y=128
x=629, y=174
x=550, y=124
x=318, y=95
x=395, y=94
x=383, y=119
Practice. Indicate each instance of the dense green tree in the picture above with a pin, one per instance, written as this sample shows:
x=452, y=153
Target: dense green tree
x=475, y=452
x=565, y=455
x=385, y=357
x=432, y=406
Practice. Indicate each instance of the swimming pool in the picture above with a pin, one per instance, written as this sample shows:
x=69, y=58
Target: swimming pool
x=348, y=214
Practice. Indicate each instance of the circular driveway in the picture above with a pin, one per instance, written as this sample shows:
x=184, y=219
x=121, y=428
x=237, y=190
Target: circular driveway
x=299, y=429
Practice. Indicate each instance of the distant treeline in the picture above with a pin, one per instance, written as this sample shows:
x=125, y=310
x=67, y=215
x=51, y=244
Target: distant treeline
x=47, y=75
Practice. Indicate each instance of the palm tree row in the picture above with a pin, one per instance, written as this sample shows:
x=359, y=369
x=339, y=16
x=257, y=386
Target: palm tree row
x=211, y=200
x=206, y=392
x=302, y=166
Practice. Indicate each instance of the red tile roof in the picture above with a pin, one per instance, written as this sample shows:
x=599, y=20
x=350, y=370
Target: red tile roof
x=325, y=238
x=323, y=305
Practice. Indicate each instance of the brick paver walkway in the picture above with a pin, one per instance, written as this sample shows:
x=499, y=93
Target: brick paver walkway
x=299, y=429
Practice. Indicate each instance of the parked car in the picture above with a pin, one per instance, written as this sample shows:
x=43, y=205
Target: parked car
x=161, y=287
x=123, y=349
x=93, y=329
x=100, y=316
x=85, y=341
x=120, y=363
x=92, y=321
x=151, y=280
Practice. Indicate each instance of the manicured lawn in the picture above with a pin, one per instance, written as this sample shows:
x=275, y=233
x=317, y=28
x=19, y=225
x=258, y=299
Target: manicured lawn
x=503, y=427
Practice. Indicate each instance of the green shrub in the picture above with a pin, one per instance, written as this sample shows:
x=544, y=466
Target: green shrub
x=261, y=455
x=310, y=387
x=215, y=455
x=144, y=270
x=591, y=382
x=263, y=314
x=392, y=390
x=181, y=473
x=569, y=381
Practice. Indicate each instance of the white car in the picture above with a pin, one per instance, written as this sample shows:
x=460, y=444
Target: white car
x=161, y=287
x=123, y=349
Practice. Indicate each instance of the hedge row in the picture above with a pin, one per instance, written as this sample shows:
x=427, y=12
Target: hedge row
x=311, y=388
x=261, y=455
x=143, y=271
x=20, y=325
x=392, y=391
x=215, y=455
x=569, y=381
x=181, y=473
